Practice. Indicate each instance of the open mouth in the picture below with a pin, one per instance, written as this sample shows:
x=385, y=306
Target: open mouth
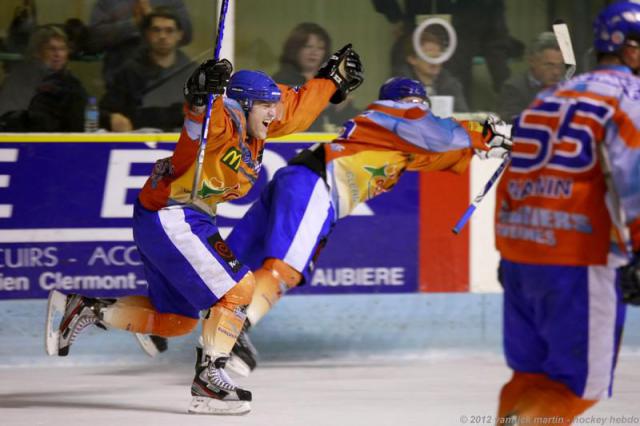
x=266, y=122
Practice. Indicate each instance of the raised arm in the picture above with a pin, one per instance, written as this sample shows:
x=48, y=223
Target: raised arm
x=342, y=74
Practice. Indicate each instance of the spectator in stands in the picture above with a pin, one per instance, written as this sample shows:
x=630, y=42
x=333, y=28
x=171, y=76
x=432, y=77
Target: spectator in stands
x=482, y=31
x=40, y=93
x=114, y=28
x=437, y=81
x=147, y=91
x=546, y=68
x=306, y=48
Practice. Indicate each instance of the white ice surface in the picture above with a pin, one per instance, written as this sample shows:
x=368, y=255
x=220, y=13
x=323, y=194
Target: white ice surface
x=434, y=390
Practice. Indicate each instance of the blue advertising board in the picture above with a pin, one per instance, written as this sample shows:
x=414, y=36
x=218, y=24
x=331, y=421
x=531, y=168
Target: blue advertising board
x=65, y=210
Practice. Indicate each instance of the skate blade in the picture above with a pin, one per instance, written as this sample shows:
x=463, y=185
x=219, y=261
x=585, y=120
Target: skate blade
x=147, y=344
x=55, y=310
x=236, y=365
x=203, y=405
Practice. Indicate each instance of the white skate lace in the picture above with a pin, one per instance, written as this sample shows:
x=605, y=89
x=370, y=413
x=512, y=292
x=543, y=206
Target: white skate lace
x=219, y=378
x=86, y=317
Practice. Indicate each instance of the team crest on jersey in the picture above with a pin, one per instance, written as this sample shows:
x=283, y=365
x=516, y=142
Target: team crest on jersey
x=215, y=188
x=232, y=158
x=381, y=179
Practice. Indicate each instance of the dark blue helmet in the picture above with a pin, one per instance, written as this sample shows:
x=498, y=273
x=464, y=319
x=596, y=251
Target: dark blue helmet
x=397, y=88
x=248, y=86
x=614, y=25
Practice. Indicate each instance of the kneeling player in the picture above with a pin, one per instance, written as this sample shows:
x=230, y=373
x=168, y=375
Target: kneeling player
x=279, y=235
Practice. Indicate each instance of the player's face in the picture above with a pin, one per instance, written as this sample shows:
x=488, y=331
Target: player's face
x=163, y=35
x=426, y=71
x=312, y=54
x=631, y=55
x=260, y=117
x=547, y=67
x=413, y=100
x=55, y=54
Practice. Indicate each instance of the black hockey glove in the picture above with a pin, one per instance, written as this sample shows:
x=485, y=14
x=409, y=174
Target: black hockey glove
x=345, y=69
x=209, y=77
x=630, y=281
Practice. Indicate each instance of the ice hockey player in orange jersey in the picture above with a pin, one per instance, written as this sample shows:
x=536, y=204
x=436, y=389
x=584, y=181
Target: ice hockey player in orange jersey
x=567, y=217
x=282, y=233
x=188, y=266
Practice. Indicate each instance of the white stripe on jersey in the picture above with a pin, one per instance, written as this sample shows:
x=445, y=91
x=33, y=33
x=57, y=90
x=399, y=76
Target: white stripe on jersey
x=310, y=226
x=602, y=323
x=214, y=276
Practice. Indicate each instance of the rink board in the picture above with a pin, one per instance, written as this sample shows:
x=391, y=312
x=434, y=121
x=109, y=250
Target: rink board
x=66, y=203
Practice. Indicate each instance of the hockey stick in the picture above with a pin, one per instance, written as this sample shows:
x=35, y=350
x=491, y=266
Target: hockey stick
x=613, y=202
x=145, y=341
x=561, y=32
x=618, y=218
x=207, y=114
x=478, y=198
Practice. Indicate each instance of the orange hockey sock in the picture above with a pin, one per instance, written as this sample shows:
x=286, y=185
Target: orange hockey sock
x=224, y=321
x=273, y=279
x=137, y=314
x=536, y=399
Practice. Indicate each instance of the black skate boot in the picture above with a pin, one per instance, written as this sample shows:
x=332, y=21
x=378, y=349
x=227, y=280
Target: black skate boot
x=244, y=356
x=212, y=390
x=79, y=313
x=151, y=344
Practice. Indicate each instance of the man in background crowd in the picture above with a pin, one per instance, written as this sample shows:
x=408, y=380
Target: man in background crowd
x=147, y=91
x=546, y=68
x=114, y=28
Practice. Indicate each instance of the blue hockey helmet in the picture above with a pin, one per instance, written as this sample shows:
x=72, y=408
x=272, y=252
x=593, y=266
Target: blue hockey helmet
x=397, y=88
x=615, y=24
x=247, y=86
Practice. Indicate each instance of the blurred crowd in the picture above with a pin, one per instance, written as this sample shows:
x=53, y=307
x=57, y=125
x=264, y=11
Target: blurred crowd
x=143, y=67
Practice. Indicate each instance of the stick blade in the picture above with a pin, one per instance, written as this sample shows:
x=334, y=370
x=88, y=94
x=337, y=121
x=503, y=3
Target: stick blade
x=561, y=30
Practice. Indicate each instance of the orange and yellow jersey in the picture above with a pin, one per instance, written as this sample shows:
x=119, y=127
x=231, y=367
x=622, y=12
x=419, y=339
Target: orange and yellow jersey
x=551, y=205
x=232, y=160
x=377, y=146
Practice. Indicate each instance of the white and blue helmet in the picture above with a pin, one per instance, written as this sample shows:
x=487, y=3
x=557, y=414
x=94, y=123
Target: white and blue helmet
x=615, y=24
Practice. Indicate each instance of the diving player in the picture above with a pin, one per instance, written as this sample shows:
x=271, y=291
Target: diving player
x=278, y=236
x=189, y=267
x=564, y=210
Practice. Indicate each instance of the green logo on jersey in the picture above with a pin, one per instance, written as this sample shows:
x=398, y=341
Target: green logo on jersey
x=215, y=188
x=208, y=191
x=232, y=158
x=377, y=171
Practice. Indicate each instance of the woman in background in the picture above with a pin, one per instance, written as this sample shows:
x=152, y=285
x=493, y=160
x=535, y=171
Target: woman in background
x=306, y=48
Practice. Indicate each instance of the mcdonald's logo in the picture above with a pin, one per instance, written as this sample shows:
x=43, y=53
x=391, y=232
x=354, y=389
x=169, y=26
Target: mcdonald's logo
x=232, y=158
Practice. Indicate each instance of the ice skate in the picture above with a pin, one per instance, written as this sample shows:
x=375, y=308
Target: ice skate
x=244, y=356
x=152, y=345
x=213, y=391
x=77, y=312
